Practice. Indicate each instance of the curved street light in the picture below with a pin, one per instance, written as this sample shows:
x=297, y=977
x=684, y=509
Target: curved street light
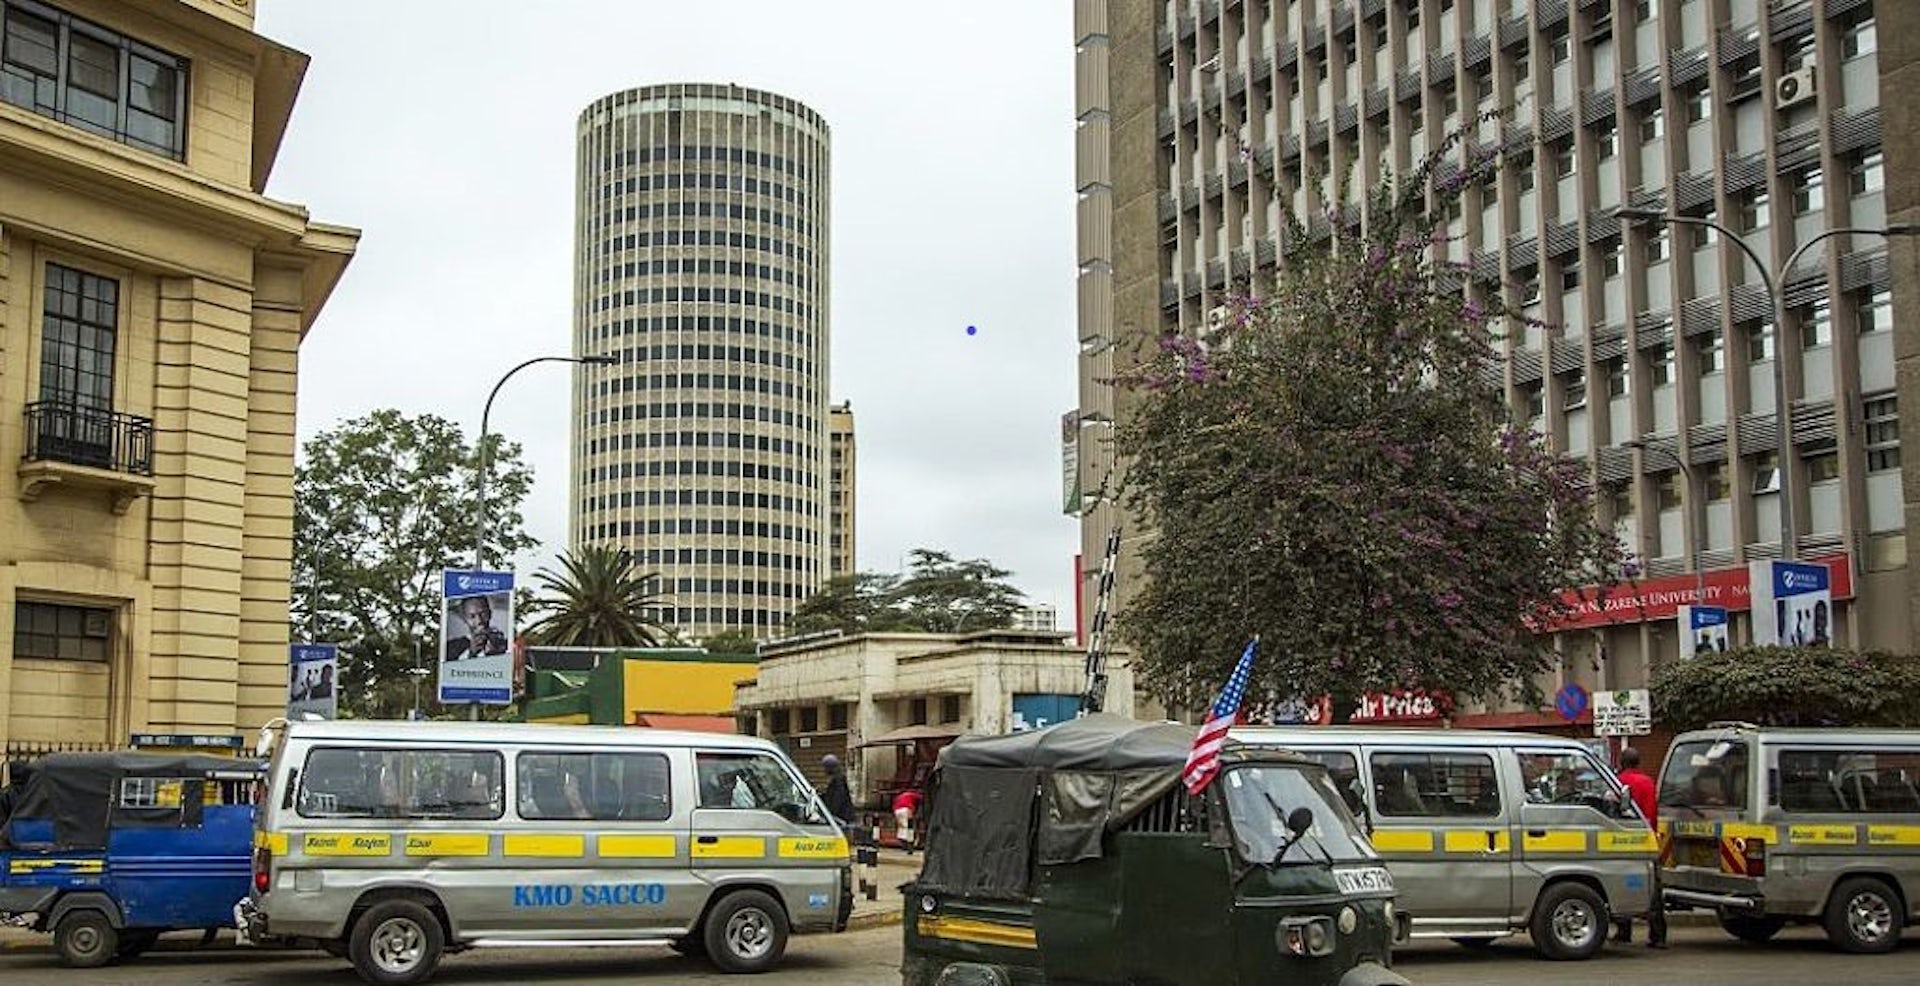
x=482, y=466
x=1789, y=543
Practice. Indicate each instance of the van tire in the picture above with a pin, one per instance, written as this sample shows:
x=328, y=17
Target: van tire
x=86, y=939
x=1569, y=923
x=1864, y=916
x=1748, y=928
x=746, y=932
x=396, y=943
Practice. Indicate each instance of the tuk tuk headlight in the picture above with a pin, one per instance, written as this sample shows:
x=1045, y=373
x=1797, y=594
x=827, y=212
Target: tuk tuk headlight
x=928, y=904
x=1349, y=920
x=1307, y=937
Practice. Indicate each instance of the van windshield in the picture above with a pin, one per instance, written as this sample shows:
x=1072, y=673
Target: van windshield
x=1705, y=777
x=1259, y=798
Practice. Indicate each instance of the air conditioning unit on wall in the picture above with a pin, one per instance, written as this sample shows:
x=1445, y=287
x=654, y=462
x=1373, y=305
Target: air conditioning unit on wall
x=1794, y=88
x=1217, y=318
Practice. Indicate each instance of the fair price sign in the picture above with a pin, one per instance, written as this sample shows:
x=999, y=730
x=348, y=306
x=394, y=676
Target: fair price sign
x=1627, y=712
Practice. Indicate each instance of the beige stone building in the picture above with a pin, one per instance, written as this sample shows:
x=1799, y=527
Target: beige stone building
x=842, y=496
x=701, y=263
x=152, y=304
x=1203, y=123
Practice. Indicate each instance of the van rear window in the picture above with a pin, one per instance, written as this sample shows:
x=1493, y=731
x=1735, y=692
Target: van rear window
x=1849, y=781
x=402, y=783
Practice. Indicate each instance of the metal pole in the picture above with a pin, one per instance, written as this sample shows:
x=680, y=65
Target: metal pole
x=1699, y=514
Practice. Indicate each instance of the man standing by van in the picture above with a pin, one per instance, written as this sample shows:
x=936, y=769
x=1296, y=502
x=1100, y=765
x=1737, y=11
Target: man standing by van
x=1641, y=788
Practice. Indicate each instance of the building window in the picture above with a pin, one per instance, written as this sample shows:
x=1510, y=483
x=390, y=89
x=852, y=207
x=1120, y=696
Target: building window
x=1620, y=502
x=949, y=708
x=1823, y=462
x=1766, y=473
x=1609, y=252
x=1523, y=176
x=1699, y=104
x=1660, y=364
x=77, y=339
x=1570, y=276
x=1809, y=191
x=917, y=712
x=1816, y=326
x=1380, y=34
x=56, y=632
x=105, y=83
x=1619, y=381
x=780, y=722
x=1797, y=55
x=1882, y=416
x=810, y=719
x=1522, y=68
x=1756, y=212
x=1656, y=246
x=1653, y=125
x=1606, y=143
x=1667, y=486
x=1559, y=49
x=1533, y=397
x=837, y=715
x=1704, y=237
x=1719, y=486
x=1860, y=39
x=1708, y=350
x=1574, y=385
x=1759, y=342
x=1875, y=313
x=1868, y=174
x=1562, y=160
x=1642, y=11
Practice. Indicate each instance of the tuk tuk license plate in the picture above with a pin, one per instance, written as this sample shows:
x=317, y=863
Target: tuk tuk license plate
x=1366, y=880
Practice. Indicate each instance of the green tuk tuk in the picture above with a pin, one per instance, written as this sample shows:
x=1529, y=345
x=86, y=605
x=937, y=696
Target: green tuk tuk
x=1074, y=854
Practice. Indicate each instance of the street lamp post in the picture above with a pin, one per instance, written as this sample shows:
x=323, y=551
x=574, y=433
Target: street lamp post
x=1789, y=543
x=1700, y=515
x=482, y=463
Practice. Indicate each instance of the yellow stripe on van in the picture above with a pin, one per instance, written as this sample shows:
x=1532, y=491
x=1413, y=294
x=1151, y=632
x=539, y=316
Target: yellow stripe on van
x=730, y=847
x=1640, y=842
x=1823, y=835
x=805, y=848
x=1475, y=840
x=1748, y=830
x=347, y=844
x=1556, y=840
x=1402, y=840
x=979, y=932
x=523, y=844
x=273, y=842
x=1893, y=835
x=446, y=843
x=1697, y=830
x=637, y=847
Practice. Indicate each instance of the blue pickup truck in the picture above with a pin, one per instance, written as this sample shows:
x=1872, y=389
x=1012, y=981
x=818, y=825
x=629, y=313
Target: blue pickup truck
x=109, y=850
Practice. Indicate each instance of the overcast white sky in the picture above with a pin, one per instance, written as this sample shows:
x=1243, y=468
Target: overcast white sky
x=445, y=130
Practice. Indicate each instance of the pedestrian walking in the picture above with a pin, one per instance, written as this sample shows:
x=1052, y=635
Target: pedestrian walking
x=1643, y=790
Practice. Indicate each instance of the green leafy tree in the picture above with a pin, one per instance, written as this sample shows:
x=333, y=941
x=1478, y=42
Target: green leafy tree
x=1334, y=470
x=731, y=642
x=937, y=594
x=598, y=598
x=858, y=603
x=1789, y=686
x=382, y=504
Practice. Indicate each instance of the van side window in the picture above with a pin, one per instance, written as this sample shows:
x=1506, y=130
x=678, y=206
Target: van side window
x=1344, y=770
x=754, y=780
x=1849, y=781
x=1448, y=785
x=603, y=786
x=390, y=783
x=1563, y=777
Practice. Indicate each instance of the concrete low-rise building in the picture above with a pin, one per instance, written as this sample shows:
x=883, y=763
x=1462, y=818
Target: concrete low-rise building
x=153, y=299
x=841, y=694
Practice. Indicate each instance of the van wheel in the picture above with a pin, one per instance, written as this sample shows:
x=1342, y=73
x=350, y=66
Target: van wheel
x=1569, y=922
x=1863, y=915
x=1751, y=929
x=86, y=940
x=746, y=932
x=396, y=943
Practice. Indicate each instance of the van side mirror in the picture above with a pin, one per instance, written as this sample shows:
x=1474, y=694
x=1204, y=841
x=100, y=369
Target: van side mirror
x=1299, y=820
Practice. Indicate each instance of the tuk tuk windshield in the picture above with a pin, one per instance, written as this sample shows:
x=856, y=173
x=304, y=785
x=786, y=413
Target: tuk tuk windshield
x=1705, y=777
x=1259, y=798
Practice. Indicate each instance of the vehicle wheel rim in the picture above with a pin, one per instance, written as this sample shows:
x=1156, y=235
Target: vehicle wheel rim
x=1573, y=924
x=398, y=944
x=1869, y=917
x=86, y=940
x=750, y=933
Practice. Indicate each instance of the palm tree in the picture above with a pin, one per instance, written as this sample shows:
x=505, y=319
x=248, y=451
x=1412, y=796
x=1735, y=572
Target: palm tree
x=598, y=599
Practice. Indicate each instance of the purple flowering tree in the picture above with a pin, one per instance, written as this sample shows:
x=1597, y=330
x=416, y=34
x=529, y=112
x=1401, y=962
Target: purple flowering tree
x=1336, y=470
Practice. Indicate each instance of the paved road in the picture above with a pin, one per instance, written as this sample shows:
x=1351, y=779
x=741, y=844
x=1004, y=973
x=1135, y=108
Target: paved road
x=1701, y=957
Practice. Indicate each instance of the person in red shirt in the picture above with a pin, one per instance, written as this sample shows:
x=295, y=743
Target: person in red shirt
x=1643, y=791
x=906, y=807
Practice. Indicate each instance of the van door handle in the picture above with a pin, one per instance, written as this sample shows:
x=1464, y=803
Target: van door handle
x=1537, y=833
x=707, y=840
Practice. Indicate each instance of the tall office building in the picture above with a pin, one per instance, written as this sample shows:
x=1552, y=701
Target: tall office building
x=841, y=498
x=701, y=261
x=1203, y=124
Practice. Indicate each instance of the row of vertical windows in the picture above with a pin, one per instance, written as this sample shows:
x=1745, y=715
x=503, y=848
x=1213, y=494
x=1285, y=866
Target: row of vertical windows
x=719, y=296
x=706, y=526
x=731, y=354
x=706, y=210
x=690, y=615
x=710, y=381
x=702, y=409
x=704, y=265
x=737, y=155
x=627, y=499
x=709, y=237
x=730, y=324
x=726, y=556
x=703, y=467
x=699, y=439
x=79, y=73
x=742, y=587
x=723, y=182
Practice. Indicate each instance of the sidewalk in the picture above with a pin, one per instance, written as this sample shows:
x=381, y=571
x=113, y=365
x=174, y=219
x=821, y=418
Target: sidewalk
x=885, y=909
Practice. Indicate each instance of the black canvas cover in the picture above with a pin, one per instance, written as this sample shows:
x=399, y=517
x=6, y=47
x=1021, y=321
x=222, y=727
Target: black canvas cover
x=78, y=791
x=1003, y=803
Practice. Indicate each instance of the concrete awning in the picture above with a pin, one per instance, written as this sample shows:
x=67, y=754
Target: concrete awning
x=910, y=734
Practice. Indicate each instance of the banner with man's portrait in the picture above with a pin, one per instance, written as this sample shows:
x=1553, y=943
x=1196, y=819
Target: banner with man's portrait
x=311, y=689
x=476, y=653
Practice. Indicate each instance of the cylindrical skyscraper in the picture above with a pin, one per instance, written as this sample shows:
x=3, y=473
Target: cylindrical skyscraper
x=700, y=261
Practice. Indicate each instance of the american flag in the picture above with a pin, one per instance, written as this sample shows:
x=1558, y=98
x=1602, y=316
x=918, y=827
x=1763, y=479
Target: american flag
x=1204, y=761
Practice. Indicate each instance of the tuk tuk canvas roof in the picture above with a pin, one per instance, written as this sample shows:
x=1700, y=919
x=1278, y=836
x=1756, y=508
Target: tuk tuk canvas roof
x=1094, y=743
x=78, y=791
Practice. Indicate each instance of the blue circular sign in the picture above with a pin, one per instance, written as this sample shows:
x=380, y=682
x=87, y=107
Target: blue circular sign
x=1570, y=701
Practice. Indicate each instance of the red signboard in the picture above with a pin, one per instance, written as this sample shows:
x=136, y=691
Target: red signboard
x=1661, y=599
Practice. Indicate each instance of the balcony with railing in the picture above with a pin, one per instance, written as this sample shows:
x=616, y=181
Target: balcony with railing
x=77, y=447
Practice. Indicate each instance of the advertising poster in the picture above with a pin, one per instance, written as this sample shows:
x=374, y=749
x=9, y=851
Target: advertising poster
x=311, y=689
x=1070, y=463
x=1703, y=630
x=476, y=657
x=1792, y=604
